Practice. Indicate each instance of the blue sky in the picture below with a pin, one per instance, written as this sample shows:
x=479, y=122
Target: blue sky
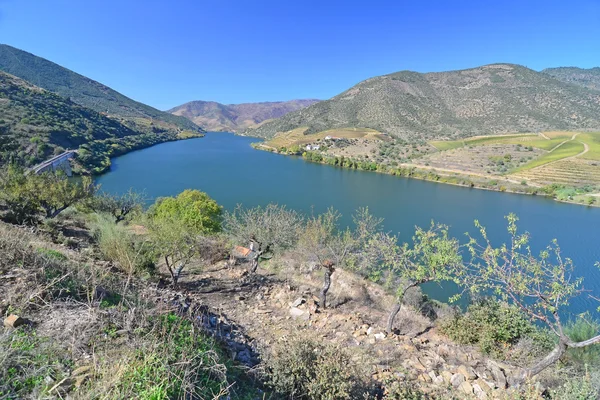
x=165, y=53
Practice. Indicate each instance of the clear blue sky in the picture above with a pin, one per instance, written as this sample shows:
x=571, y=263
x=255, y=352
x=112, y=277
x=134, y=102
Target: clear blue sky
x=165, y=53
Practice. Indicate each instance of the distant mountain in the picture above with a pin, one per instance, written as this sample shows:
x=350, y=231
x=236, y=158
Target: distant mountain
x=491, y=99
x=214, y=116
x=589, y=78
x=82, y=90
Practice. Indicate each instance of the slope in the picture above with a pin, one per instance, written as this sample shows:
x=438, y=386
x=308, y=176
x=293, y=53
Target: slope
x=36, y=123
x=491, y=99
x=82, y=90
x=214, y=116
x=589, y=78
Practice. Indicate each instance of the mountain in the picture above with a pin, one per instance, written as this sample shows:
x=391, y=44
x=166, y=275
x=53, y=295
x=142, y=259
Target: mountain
x=589, y=78
x=491, y=99
x=82, y=90
x=236, y=117
x=36, y=124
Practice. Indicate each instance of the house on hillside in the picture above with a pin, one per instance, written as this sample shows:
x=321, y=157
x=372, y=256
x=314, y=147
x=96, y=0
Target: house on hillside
x=310, y=147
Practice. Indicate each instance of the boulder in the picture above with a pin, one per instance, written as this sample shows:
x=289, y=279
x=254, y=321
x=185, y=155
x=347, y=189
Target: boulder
x=467, y=371
x=298, y=302
x=457, y=380
x=466, y=387
x=297, y=313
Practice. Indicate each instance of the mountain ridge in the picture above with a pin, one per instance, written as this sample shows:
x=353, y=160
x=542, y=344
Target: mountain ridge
x=491, y=99
x=81, y=89
x=236, y=117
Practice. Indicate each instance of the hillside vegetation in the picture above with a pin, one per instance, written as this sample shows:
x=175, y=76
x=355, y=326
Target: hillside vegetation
x=589, y=78
x=218, y=117
x=82, y=90
x=492, y=99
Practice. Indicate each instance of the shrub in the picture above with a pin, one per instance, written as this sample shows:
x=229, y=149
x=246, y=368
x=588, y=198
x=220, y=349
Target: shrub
x=579, y=330
x=581, y=388
x=493, y=326
x=305, y=369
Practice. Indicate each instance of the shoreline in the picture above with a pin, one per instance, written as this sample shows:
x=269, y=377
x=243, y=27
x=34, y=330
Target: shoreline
x=432, y=175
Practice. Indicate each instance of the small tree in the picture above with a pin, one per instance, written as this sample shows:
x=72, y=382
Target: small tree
x=176, y=224
x=323, y=241
x=55, y=192
x=25, y=194
x=119, y=206
x=433, y=257
x=540, y=286
x=268, y=228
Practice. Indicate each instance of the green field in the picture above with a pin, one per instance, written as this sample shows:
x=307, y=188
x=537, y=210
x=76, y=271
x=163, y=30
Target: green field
x=532, y=140
x=593, y=141
x=567, y=149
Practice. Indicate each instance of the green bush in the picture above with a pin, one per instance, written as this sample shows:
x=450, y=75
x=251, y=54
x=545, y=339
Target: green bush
x=577, y=389
x=493, y=326
x=305, y=369
x=583, y=328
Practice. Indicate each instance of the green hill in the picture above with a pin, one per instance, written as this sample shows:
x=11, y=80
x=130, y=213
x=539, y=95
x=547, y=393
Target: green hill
x=214, y=116
x=589, y=78
x=84, y=91
x=491, y=99
x=36, y=124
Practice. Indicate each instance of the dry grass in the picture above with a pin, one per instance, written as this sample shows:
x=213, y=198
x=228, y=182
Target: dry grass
x=297, y=136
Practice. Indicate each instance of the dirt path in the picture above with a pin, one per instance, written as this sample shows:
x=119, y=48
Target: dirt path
x=460, y=172
x=542, y=134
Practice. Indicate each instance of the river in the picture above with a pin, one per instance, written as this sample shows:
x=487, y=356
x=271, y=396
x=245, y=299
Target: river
x=230, y=171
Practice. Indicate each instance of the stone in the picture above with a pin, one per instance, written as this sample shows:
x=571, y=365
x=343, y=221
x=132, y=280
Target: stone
x=483, y=385
x=479, y=392
x=447, y=376
x=370, y=331
x=297, y=313
x=298, y=302
x=466, y=387
x=498, y=375
x=424, y=378
x=468, y=372
x=380, y=336
x=13, y=321
x=457, y=380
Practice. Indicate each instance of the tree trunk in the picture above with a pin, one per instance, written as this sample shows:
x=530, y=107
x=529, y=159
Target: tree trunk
x=392, y=316
x=547, y=361
x=171, y=271
x=326, y=282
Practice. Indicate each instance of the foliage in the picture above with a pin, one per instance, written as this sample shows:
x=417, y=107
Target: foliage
x=194, y=210
x=176, y=223
x=26, y=194
x=27, y=360
x=495, y=327
x=118, y=244
x=580, y=388
x=177, y=362
x=119, y=206
x=540, y=286
x=578, y=330
x=275, y=225
x=304, y=369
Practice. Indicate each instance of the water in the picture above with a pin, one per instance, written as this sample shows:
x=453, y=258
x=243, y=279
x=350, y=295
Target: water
x=230, y=171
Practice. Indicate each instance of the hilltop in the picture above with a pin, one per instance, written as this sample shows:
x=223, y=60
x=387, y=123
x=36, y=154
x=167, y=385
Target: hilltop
x=219, y=117
x=491, y=99
x=84, y=91
x=589, y=78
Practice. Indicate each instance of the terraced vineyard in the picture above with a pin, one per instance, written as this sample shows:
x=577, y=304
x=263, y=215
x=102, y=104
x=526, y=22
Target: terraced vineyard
x=569, y=158
x=573, y=172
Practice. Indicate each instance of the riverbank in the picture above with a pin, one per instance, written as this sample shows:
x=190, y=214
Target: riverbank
x=556, y=192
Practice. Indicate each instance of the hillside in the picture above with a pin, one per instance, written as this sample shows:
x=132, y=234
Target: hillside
x=214, y=116
x=491, y=99
x=589, y=78
x=82, y=90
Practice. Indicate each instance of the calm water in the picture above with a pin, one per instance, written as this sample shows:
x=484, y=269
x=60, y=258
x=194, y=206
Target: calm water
x=230, y=171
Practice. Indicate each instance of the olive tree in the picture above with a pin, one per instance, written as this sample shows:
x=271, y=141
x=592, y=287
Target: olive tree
x=433, y=256
x=176, y=225
x=26, y=194
x=325, y=243
x=541, y=286
x=120, y=206
x=265, y=229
